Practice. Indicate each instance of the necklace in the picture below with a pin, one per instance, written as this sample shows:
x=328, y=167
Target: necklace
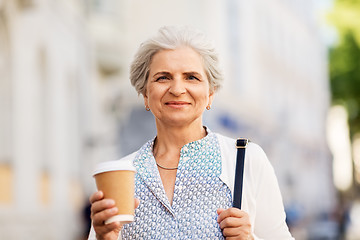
x=166, y=168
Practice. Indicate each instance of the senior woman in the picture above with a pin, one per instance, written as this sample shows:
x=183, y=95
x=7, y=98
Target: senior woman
x=184, y=181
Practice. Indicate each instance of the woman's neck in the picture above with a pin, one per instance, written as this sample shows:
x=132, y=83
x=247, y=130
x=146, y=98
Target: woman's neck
x=174, y=138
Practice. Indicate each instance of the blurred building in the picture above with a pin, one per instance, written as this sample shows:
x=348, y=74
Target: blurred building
x=66, y=101
x=46, y=80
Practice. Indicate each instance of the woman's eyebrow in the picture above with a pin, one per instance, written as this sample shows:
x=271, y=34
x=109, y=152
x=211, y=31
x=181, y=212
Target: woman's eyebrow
x=191, y=73
x=162, y=73
x=195, y=74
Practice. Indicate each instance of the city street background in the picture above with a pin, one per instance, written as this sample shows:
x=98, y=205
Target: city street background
x=66, y=103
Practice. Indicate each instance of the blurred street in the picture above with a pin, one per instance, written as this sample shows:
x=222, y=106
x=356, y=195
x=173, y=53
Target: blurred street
x=66, y=103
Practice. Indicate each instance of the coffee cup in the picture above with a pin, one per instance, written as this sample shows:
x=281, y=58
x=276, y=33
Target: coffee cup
x=116, y=180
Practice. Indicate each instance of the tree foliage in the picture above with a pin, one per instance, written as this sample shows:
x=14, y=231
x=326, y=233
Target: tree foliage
x=345, y=59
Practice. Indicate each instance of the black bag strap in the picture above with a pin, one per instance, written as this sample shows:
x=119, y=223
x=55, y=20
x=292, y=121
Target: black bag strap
x=241, y=144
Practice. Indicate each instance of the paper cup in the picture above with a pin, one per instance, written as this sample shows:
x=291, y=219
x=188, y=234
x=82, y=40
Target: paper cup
x=116, y=180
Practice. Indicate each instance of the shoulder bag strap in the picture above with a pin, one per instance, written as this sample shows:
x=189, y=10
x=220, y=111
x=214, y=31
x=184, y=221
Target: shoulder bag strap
x=241, y=144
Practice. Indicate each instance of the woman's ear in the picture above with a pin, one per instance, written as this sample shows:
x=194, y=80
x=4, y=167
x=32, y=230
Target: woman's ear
x=145, y=99
x=211, y=97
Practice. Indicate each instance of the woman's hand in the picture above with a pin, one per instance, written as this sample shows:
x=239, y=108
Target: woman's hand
x=101, y=210
x=235, y=224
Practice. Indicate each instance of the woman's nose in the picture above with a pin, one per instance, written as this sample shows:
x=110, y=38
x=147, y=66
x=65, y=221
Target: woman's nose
x=177, y=87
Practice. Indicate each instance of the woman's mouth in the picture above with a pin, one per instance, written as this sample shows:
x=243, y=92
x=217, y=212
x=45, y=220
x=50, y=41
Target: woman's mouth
x=177, y=104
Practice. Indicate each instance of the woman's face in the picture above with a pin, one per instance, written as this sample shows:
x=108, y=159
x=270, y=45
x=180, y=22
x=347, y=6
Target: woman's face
x=177, y=89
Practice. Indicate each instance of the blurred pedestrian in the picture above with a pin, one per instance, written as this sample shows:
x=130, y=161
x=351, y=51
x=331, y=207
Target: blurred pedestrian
x=86, y=212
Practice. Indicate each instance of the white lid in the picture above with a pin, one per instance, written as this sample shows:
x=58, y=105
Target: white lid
x=114, y=166
x=120, y=218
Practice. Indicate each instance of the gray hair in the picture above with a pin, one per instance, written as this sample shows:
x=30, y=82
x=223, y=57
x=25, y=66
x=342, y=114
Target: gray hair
x=170, y=38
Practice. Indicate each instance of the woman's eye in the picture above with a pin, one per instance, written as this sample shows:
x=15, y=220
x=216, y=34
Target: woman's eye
x=193, y=78
x=161, y=78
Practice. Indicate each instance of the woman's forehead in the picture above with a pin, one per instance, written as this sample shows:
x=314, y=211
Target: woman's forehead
x=183, y=58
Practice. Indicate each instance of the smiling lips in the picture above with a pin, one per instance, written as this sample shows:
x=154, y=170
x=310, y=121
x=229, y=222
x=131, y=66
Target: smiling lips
x=177, y=104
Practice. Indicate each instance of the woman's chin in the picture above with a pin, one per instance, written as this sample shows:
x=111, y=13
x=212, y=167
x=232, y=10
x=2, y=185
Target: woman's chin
x=177, y=121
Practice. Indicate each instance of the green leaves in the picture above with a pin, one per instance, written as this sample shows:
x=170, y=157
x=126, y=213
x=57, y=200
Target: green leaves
x=344, y=62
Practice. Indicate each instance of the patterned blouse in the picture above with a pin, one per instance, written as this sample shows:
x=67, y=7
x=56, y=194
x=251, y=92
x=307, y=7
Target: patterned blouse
x=198, y=193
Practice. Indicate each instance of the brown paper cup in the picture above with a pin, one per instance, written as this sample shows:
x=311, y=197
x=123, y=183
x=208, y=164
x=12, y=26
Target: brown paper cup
x=116, y=180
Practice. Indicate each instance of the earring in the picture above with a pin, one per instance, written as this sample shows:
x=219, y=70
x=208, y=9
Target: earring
x=208, y=107
x=147, y=108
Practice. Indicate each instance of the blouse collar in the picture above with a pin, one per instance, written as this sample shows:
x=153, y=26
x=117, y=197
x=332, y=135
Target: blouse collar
x=146, y=165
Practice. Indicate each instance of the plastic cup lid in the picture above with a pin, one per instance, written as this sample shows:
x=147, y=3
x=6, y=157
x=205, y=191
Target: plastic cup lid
x=114, y=166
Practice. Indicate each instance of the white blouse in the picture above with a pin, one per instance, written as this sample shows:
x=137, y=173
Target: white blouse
x=261, y=195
